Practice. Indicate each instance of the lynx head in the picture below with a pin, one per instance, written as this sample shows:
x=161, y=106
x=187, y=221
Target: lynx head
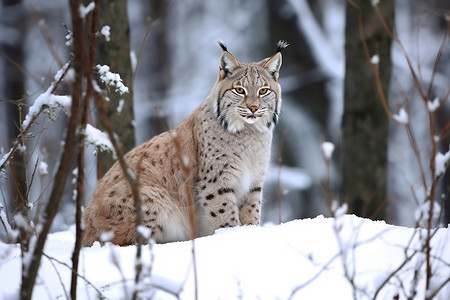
x=248, y=94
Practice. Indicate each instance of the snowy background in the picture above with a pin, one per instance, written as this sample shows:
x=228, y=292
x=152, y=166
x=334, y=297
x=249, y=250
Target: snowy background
x=175, y=52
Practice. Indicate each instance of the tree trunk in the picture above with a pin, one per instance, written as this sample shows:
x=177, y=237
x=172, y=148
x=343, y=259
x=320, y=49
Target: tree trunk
x=13, y=77
x=116, y=54
x=159, y=79
x=310, y=95
x=365, y=123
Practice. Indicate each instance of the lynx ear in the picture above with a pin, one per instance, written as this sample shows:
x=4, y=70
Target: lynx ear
x=273, y=65
x=227, y=65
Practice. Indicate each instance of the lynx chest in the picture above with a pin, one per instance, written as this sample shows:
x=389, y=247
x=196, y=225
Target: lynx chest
x=228, y=161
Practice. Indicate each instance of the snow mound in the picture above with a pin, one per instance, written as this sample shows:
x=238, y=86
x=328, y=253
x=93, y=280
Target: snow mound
x=321, y=258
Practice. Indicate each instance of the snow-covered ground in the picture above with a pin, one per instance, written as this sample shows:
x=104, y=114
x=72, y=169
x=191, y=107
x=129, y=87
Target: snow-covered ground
x=321, y=258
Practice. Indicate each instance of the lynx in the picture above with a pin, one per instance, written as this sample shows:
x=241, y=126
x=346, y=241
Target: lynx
x=220, y=152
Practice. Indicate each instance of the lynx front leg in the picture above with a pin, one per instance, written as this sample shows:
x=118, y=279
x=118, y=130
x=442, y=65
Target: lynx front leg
x=219, y=210
x=250, y=213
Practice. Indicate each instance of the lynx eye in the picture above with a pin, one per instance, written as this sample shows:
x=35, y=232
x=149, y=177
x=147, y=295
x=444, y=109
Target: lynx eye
x=239, y=90
x=263, y=91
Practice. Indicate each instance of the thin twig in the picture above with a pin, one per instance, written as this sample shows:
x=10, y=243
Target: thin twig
x=191, y=208
x=78, y=275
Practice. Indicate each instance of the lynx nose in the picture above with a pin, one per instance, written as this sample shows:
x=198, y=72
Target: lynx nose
x=252, y=108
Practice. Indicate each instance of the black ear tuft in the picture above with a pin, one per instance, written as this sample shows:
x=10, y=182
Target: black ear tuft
x=281, y=45
x=222, y=45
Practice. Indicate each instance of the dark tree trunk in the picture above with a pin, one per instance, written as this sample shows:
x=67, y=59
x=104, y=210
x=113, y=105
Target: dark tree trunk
x=116, y=54
x=309, y=95
x=311, y=91
x=365, y=123
x=159, y=62
x=13, y=77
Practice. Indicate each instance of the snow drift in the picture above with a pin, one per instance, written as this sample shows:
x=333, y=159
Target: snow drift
x=322, y=258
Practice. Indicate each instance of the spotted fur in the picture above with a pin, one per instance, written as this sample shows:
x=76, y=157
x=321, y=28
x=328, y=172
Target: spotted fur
x=221, y=151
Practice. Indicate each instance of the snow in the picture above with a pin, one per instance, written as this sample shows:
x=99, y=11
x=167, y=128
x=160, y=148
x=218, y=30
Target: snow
x=46, y=100
x=441, y=162
x=433, y=105
x=327, y=149
x=5, y=157
x=144, y=231
x=43, y=168
x=423, y=211
x=375, y=60
x=69, y=38
x=111, y=79
x=339, y=211
x=98, y=138
x=301, y=259
x=106, y=32
x=49, y=100
x=402, y=117
x=85, y=10
x=120, y=105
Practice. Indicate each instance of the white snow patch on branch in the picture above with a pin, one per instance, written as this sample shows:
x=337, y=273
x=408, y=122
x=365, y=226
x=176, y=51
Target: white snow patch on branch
x=441, y=162
x=402, y=117
x=75, y=175
x=327, y=149
x=84, y=10
x=120, y=105
x=339, y=211
x=5, y=157
x=43, y=168
x=375, y=60
x=12, y=233
x=433, y=105
x=421, y=214
x=144, y=231
x=106, y=32
x=60, y=73
x=69, y=38
x=111, y=79
x=70, y=75
x=28, y=256
x=20, y=221
x=98, y=138
x=49, y=100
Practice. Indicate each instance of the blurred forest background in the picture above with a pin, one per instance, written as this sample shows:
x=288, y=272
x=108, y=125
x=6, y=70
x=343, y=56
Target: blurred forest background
x=170, y=62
